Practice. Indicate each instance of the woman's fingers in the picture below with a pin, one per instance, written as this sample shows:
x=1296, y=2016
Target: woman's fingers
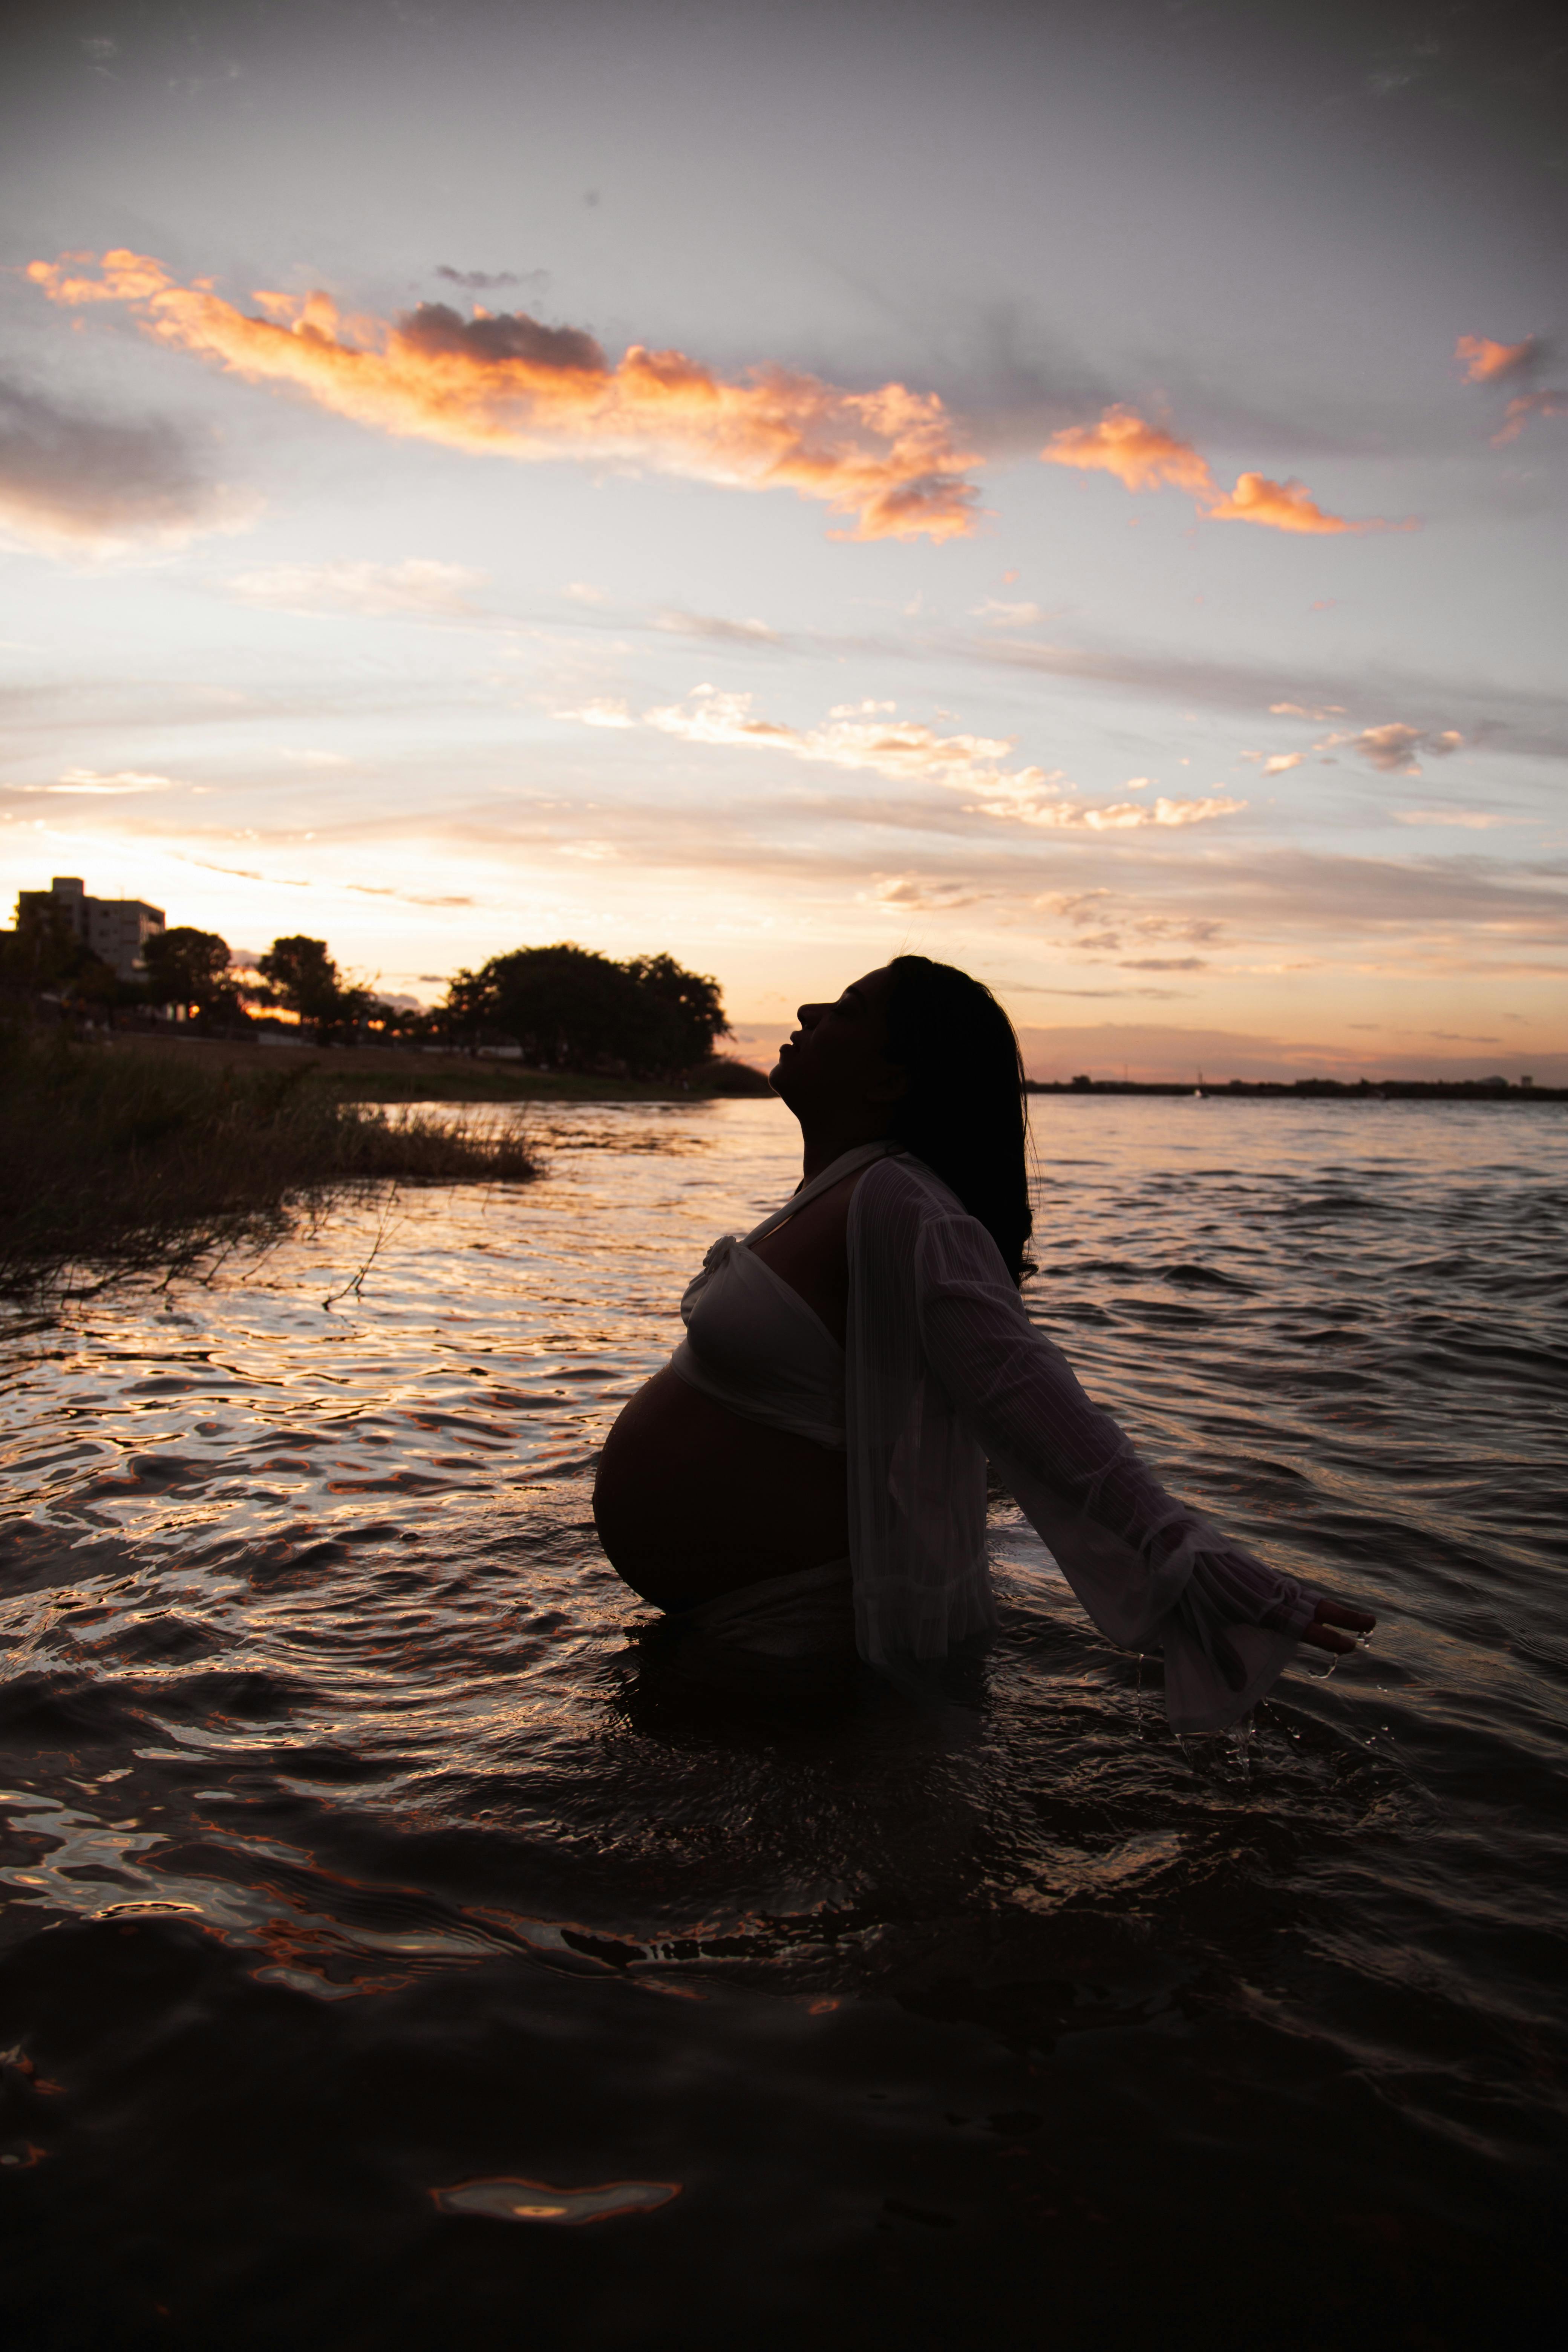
x=1337, y=1612
x=1330, y=1615
x=1323, y=1637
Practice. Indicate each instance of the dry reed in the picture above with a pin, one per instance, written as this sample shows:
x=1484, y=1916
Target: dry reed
x=131, y=1163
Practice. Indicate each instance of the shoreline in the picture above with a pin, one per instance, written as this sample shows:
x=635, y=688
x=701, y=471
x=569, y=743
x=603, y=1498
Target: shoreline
x=1309, y=1089
x=393, y=1073
x=131, y=1163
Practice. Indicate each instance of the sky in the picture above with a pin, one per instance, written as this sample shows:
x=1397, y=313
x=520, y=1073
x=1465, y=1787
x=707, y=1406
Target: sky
x=1075, y=491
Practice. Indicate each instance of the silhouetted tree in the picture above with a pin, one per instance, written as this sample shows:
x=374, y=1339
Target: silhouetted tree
x=185, y=966
x=692, y=1009
x=572, y=1009
x=302, y=975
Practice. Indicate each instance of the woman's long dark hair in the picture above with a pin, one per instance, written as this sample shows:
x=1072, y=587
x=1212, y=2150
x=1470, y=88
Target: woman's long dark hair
x=964, y=1114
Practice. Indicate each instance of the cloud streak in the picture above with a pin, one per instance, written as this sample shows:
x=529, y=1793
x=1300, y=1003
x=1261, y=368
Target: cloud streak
x=1144, y=456
x=507, y=385
x=870, y=736
x=1515, y=720
x=489, y=282
x=1137, y=897
x=415, y=587
x=88, y=783
x=1392, y=749
x=912, y=894
x=1471, y=820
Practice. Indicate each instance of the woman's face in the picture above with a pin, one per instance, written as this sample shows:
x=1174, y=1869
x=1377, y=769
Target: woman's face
x=836, y=1062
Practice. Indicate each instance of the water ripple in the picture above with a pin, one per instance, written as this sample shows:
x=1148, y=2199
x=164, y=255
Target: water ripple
x=316, y=1693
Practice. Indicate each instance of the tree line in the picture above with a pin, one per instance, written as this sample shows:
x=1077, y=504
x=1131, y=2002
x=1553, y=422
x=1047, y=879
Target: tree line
x=565, y=1007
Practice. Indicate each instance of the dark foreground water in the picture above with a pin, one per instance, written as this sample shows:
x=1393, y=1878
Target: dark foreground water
x=392, y=1955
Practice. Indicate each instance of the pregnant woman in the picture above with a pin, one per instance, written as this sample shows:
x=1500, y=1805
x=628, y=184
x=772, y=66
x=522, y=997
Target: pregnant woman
x=806, y=1479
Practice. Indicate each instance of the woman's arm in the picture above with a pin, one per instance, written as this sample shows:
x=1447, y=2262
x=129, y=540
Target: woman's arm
x=1151, y=1572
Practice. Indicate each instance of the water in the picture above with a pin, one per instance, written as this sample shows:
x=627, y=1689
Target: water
x=391, y=1955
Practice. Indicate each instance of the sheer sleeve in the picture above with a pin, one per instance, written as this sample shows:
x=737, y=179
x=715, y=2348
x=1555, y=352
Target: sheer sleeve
x=1151, y=1573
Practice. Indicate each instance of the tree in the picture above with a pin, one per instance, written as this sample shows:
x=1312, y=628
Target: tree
x=302, y=975
x=572, y=1009
x=569, y=1008
x=185, y=966
x=691, y=1009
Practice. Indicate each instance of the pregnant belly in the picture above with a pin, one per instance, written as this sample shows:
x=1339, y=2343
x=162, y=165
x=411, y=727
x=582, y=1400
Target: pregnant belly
x=691, y=1501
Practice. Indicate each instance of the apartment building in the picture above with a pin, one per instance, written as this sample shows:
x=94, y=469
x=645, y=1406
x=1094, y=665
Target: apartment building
x=114, y=928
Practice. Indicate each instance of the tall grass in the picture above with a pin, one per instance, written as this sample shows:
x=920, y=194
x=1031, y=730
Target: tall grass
x=133, y=1162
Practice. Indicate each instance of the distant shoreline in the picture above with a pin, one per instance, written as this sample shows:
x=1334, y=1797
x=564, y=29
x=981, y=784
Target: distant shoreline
x=1309, y=1089
x=393, y=1073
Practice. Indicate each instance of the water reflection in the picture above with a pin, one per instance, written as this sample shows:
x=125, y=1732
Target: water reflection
x=317, y=1691
x=536, y=2201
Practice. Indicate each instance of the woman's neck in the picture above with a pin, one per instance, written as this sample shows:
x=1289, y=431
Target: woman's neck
x=824, y=1144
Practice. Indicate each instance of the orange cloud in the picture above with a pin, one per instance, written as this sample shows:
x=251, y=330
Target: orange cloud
x=1517, y=413
x=1489, y=362
x=1144, y=456
x=508, y=385
x=1285, y=506
x=1141, y=456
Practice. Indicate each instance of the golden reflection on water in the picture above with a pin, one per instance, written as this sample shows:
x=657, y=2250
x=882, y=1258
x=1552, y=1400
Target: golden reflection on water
x=306, y=1637
x=535, y=2201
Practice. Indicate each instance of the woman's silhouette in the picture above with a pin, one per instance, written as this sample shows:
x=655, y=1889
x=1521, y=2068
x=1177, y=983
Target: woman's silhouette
x=807, y=1476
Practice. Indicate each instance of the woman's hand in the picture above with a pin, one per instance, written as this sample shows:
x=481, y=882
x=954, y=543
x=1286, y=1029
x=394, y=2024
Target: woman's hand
x=1322, y=1632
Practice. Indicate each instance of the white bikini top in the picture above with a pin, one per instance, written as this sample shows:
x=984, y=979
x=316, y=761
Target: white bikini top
x=752, y=1343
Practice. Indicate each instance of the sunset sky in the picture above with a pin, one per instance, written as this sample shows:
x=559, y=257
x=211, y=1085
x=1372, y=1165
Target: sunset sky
x=1076, y=490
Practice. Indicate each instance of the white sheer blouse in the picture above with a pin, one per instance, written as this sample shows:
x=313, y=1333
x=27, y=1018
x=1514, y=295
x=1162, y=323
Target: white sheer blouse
x=944, y=1368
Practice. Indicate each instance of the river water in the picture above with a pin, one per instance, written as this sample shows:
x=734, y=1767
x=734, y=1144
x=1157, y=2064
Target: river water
x=394, y=1954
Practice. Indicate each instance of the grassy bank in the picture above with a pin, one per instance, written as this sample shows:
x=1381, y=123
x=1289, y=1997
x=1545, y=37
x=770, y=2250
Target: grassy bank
x=393, y=1075
x=140, y=1161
